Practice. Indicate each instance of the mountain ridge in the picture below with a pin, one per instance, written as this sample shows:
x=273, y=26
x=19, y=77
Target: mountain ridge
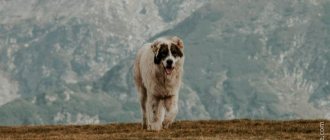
x=244, y=59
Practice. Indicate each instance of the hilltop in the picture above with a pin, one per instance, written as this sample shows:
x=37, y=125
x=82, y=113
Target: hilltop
x=211, y=129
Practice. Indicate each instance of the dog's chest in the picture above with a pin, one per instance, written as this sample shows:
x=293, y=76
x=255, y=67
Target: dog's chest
x=164, y=92
x=166, y=87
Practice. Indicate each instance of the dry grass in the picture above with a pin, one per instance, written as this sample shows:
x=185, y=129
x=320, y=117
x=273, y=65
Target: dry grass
x=233, y=129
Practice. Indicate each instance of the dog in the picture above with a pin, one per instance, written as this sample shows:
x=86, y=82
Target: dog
x=158, y=69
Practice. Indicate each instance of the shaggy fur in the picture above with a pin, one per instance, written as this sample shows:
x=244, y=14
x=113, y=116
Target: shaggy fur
x=158, y=69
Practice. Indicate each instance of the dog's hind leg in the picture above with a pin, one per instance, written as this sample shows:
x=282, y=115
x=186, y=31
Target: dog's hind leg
x=143, y=100
x=142, y=93
x=171, y=106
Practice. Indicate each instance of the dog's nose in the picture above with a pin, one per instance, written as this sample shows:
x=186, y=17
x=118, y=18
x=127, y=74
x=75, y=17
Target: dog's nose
x=169, y=62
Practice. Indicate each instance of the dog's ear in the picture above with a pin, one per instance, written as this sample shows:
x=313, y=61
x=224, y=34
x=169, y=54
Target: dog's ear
x=155, y=49
x=178, y=41
x=154, y=46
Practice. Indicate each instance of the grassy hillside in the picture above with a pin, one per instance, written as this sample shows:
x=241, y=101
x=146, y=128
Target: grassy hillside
x=232, y=129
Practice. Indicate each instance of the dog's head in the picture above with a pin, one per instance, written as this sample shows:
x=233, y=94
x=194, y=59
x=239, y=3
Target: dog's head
x=168, y=53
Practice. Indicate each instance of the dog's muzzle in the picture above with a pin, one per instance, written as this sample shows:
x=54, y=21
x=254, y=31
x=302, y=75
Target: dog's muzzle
x=169, y=68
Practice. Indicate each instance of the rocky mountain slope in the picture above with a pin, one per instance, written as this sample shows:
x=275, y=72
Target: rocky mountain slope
x=70, y=61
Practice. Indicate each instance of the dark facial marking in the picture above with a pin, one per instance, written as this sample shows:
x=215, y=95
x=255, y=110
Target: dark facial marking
x=162, y=54
x=176, y=52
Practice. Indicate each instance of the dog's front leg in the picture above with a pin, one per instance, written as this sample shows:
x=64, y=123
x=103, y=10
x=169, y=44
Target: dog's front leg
x=171, y=106
x=155, y=112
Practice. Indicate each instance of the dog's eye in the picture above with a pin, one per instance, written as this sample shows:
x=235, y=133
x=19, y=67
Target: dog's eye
x=175, y=54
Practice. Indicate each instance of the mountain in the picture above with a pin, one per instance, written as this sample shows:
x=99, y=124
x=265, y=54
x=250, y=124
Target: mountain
x=71, y=61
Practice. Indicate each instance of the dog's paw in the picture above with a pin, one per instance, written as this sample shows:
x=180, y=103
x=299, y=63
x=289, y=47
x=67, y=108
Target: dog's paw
x=166, y=124
x=154, y=127
x=144, y=126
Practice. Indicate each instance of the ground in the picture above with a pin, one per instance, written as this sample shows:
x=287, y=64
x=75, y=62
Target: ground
x=210, y=129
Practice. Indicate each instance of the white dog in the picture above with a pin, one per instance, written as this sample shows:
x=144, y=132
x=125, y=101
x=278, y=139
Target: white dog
x=158, y=69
